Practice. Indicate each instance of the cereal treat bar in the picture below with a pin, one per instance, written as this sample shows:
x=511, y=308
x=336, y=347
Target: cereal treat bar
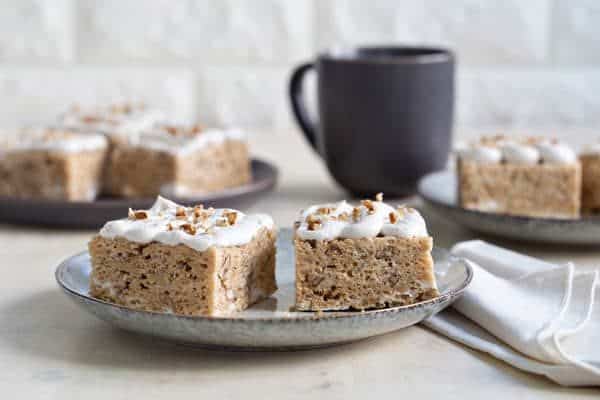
x=533, y=177
x=184, y=260
x=52, y=163
x=179, y=161
x=365, y=257
x=590, y=168
x=120, y=123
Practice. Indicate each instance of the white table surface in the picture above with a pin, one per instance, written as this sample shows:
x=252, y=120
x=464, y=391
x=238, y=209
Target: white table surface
x=50, y=349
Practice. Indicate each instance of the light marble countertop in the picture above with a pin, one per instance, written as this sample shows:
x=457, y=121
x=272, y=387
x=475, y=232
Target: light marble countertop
x=49, y=349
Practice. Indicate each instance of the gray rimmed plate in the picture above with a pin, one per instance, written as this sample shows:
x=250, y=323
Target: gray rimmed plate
x=439, y=190
x=269, y=325
x=93, y=214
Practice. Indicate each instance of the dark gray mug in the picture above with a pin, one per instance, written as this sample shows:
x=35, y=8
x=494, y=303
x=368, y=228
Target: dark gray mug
x=385, y=115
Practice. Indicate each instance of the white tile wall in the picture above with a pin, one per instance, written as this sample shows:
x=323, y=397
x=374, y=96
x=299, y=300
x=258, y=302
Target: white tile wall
x=34, y=95
x=575, y=37
x=516, y=98
x=36, y=31
x=522, y=63
x=197, y=31
x=486, y=32
x=254, y=97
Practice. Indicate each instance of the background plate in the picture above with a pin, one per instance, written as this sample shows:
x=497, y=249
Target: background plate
x=93, y=214
x=439, y=190
x=269, y=324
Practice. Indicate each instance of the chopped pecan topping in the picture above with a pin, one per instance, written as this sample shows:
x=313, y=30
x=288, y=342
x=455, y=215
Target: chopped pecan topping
x=137, y=214
x=492, y=141
x=313, y=222
x=171, y=130
x=379, y=197
x=369, y=206
x=90, y=119
x=356, y=214
x=313, y=226
x=222, y=222
x=324, y=210
x=189, y=229
x=169, y=227
x=393, y=217
x=343, y=216
x=180, y=212
x=121, y=109
x=231, y=217
x=311, y=218
x=198, y=210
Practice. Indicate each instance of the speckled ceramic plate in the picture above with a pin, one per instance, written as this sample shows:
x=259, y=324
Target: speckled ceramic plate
x=439, y=190
x=270, y=324
x=93, y=214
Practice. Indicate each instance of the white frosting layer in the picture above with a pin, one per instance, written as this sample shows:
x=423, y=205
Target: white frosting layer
x=119, y=120
x=556, y=153
x=163, y=226
x=409, y=222
x=515, y=152
x=160, y=139
x=520, y=154
x=481, y=154
x=55, y=139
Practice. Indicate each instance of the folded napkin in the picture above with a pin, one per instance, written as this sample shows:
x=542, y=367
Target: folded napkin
x=537, y=316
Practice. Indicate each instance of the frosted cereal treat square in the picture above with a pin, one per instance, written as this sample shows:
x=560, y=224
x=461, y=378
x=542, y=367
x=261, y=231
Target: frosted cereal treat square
x=364, y=257
x=179, y=161
x=52, y=163
x=534, y=177
x=590, y=167
x=184, y=260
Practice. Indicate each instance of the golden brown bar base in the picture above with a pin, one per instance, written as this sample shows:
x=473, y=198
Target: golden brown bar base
x=542, y=190
x=140, y=172
x=181, y=280
x=366, y=273
x=52, y=175
x=590, y=191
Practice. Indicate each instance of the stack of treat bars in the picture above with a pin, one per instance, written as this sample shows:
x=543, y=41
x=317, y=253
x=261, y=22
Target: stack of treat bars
x=125, y=150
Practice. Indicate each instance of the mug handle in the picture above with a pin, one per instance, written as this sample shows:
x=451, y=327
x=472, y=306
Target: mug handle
x=296, y=91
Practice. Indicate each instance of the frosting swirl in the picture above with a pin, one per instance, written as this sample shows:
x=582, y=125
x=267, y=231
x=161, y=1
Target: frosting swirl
x=54, y=139
x=370, y=219
x=172, y=224
x=520, y=154
x=481, y=154
x=556, y=153
x=530, y=152
x=115, y=120
x=184, y=139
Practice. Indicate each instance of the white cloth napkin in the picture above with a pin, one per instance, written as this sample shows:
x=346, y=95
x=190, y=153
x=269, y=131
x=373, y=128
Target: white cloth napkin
x=537, y=316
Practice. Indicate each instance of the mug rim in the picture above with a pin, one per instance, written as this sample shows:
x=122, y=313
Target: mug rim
x=422, y=55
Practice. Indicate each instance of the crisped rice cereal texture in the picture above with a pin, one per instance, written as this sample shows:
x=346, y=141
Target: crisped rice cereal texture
x=590, y=197
x=52, y=174
x=140, y=172
x=541, y=190
x=366, y=273
x=181, y=280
